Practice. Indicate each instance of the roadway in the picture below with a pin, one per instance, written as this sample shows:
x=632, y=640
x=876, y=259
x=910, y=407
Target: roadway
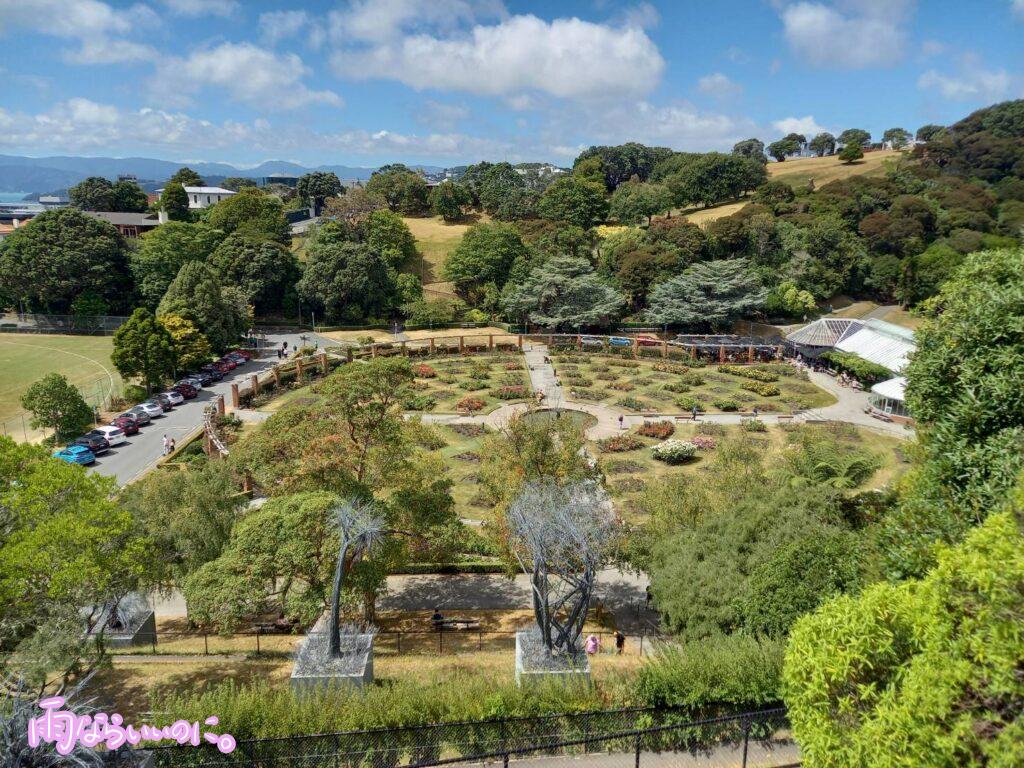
x=141, y=452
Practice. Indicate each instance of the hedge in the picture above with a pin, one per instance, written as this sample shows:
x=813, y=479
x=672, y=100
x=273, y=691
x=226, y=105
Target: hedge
x=864, y=371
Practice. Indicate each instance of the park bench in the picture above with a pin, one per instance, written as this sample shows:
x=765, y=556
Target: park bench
x=456, y=625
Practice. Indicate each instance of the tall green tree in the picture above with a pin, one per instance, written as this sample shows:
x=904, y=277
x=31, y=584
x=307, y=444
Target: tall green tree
x=164, y=250
x=59, y=256
x=708, y=294
x=623, y=162
x=251, y=212
x=57, y=405
x=92, y=194
x=264, y=270
x=484, y=256
x=191, y=347
x=197, y=294
x=851, y=153
x=713, y=177
x=581, y=203
x=857, y=136
x=186, y=177
x=636, y=202
x=317, y=186
x=349, y=281
x=447, y=201
x=928, y=132
x=783, y=148
x=174, y=201
x=127, y=195
x=503, y=193
x=824, y=144
x=65, y=545
x=144, y=348
x=403, y=190
x=750, y=148
x=564, y=293
x=389, y=236
x=897, y=137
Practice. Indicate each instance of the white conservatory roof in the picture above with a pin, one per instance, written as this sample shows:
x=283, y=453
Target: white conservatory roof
x=824, y=332
x=882, y=343
x=891, y=389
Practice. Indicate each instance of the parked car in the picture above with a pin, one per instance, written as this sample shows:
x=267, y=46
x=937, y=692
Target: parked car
x=246, y=353
x=176, y=398
x=153, y=410
x=213, y=371
x=238, y=358
x=113, y=435
x=185, y=389
x=163, y=401
x=620, y=341
x=646, y=340
x=224, y=366
x=139, y=414
x=228, y=363
x=75, y=454
x=126, y=423
x=203, y=378
x=94, y=441
x=591, y=341
x=194, y=382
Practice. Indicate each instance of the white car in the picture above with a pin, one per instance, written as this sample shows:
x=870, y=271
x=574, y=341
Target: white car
x=152, y=410
x=114, y=435
x=189, y=380
x=176, y=398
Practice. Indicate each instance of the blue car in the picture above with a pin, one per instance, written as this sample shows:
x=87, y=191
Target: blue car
x=619, y=341
x=75, y=454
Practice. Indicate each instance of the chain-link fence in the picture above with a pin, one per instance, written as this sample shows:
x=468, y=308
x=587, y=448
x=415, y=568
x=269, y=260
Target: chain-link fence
x=659, y=738
x=97, y=394
x=89, y=325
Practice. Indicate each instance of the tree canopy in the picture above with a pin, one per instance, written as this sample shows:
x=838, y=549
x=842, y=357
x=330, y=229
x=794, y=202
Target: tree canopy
x=711, y=293
x=581, y=203
x=635, y=202
x=57, y=405
x=251, y=212
x=144, y=348
x=564, y=293
x=197, y=294
x=264, y=270
x=164, y=250
x=625, y=161
x=484, y=257
x=317, y=186
x=402, y=190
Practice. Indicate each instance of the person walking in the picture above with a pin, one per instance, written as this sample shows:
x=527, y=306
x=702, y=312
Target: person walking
x=756, y=411
x=172, y=446
x=166, y=444
x=695, y=413
x=620, y=642
x=621, y=420
x=592, y=645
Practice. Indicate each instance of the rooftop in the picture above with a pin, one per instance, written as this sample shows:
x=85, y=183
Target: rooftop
x=120, y=219
x=825, y=332
x=881, y=343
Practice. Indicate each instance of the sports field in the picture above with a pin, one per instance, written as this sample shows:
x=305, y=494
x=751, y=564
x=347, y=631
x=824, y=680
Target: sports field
x=83, y=360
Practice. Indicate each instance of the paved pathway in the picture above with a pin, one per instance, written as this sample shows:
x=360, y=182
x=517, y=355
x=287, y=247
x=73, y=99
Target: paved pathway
x=784, y=755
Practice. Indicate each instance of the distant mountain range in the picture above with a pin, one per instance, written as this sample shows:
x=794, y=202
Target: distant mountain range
x=49, y=174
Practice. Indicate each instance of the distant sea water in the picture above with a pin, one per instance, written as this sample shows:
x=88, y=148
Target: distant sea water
x=12, y=197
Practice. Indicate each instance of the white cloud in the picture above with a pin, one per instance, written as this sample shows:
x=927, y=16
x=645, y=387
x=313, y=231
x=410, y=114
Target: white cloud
x=641, y=16
x=377, y=21
x=852, y=34
x=280, y=25
x=249, y=74
x=1018, y=7
x=566, y=58
x=95, y=25
x=972, y=82
x=718, y=85
x=680, y=126
x=807, y=126
x=201, y=7
x=441, y=116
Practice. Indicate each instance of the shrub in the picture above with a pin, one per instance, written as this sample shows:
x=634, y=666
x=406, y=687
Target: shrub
x=624, y=363
x=516, y=392
x=579, y=381
x=468, y=430
x=659, y=429
x=725, y=405
x=419, y=403
x=472, y=386
x=631, y=403
x=471, y=404
x=423, y=371
x=757, y=374
x=764, y=390
x=584, y=393
x=753, y=425
x=607, y=375
x=864, y=371
x=619, y=443
x=692, y=378
x=706, y=428
x=688, y=403
x=134, y=394
x=622, y=386
x=675, y=451
x=624, y=467
x=479, y=374
x=513, y=365
x=703, y=442
x=676, y=386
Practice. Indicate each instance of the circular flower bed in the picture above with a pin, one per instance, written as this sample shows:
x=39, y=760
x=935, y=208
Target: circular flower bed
x=471, y=404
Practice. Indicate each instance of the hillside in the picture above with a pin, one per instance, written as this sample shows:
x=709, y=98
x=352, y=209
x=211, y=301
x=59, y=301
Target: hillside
x=797, y=173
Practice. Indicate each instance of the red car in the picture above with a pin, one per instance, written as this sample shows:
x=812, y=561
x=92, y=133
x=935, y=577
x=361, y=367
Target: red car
x=126, y=423
x=228, y=363
x=185, y=390
x=646, y=340
x=247, y=354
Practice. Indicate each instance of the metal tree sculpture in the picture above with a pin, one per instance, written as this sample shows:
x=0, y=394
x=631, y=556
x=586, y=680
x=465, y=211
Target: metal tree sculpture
x=559, y=536
x=359, y=526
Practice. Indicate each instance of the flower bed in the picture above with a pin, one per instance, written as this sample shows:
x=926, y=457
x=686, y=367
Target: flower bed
x=762, y=389
x=470, y=404
x=514, y=392
x=704, y=443
x=620, y=443
x=757, y=374
x=659, y=429
x=675, y=451
x=423, y=371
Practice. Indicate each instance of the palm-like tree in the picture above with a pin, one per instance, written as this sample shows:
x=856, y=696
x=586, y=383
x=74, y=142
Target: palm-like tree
x=360, y=525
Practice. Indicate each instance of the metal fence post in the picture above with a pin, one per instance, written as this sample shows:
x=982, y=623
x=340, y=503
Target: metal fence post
x=637, y=763
x=746, y=740
x=257, y=641
x=206, y=644
x=399, y=652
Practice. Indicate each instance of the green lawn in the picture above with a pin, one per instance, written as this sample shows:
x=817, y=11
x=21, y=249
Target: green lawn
x=628, y=473
x=672, y=386
x=25, y=358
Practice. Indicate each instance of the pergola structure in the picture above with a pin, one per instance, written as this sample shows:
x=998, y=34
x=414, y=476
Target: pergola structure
x=729, y=347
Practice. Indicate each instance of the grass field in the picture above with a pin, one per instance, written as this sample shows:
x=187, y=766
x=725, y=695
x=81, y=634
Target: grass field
x=797, y=173
x=435, y=239
x=25, y=358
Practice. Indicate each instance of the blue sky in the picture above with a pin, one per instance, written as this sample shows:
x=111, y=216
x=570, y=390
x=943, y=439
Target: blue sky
x=363, y=82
